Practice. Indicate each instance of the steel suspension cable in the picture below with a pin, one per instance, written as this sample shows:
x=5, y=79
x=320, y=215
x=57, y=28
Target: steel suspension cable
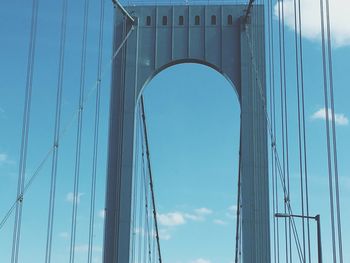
x=301, y=168
x=330, y=173
x=25, y=133
x=67, y=127
x=135, y=192
x=304, y=128
x=273, y=127
x=146, y=228
x=327, y=64
x=56, y=133
x=79, y=133
x=282, y=86
x=96, y=133
x=238, y=214
x=141, y=217
x=334, y=137
x=276, y=155
x=141, y=206
x=272, y=112
x=150, y=178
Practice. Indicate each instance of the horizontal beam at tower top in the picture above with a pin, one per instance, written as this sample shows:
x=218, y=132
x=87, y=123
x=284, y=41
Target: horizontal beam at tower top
x=181, y=2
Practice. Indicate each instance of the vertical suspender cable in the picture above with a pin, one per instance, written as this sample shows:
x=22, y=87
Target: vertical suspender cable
x=145, y=207
x=135, y=193
x=25, y=133
x=286, y=125
x=300, y=128
x=64, y=131
x=331, y=130
x=304, y=128
x=96, y=133
x=79, y=133
x=151, y=179
x=238, y=236
x=140, y=207
x=146, y=228
x=273, y=124
x=325, y=87
x=148, y=206
x=334, y=137
x=277, y=160
x=272, y=113
x=141, y=195
x=56, y=133
x=282, y=82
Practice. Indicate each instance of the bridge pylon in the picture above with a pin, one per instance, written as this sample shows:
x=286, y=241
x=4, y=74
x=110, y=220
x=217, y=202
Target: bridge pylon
x=157, y=37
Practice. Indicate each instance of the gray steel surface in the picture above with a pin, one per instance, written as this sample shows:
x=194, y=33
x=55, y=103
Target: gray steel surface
x=163, y=36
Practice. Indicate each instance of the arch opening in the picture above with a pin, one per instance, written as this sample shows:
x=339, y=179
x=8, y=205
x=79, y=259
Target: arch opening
x=194, y=124
x=194, y=62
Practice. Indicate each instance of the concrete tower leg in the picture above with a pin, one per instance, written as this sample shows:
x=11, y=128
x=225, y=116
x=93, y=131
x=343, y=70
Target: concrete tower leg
x=169, y=35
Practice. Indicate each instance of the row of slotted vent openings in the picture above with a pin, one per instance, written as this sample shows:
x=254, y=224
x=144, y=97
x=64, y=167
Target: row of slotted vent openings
x=196, y=20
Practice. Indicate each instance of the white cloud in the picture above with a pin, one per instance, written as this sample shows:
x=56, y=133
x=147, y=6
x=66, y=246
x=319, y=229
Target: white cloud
x=102, y=213
x=231, y=212
x=193, y=217
x=203, y=211
x=71, y=198
x=219, y=222
x=311, y=17
x=340, y=118
x=233, y=208
x=171, y=219
x=200, y=260
x=180, y=218
x=199, y=214
x=164, y=234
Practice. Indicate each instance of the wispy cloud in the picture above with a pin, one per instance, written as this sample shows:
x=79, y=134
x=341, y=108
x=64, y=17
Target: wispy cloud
x=200, y=260
x=203, y=211
x=4, y=159
x=164, y=234
x=311, y=17
x=71, y=198
x=172, y=219
x=220, y=222
x=340, y=118
x=193, y=217
x=180, y=218
x=231, y=212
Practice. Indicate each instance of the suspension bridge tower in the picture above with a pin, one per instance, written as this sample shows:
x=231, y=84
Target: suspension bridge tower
x=228, y=38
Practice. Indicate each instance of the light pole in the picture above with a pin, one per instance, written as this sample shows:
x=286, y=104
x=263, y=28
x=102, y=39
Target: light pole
x=317, y=219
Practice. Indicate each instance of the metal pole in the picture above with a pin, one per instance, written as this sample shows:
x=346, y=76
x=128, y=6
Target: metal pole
x=318, y=221
x=319, y=243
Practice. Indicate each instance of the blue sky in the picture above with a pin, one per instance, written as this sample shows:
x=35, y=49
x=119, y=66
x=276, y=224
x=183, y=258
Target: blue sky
x=193, y=127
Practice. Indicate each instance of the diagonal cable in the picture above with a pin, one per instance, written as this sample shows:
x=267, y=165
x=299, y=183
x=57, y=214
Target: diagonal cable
x=64, y=131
